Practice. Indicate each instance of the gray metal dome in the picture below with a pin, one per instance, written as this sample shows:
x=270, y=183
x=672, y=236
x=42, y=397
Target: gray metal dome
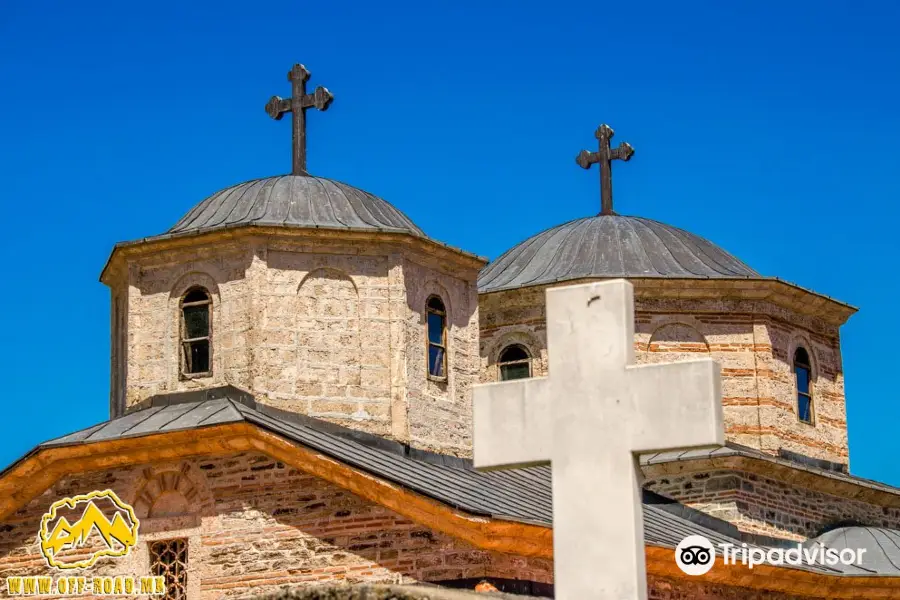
x=609, y=246
x=882, y=546
x=295, y=201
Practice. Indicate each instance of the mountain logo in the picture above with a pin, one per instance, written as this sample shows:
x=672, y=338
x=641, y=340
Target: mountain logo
x=108, y=531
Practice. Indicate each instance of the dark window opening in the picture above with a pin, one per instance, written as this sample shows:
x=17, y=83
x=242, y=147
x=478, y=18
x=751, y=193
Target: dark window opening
x=803, y=376
x=436, y=323
x=196, y=339
x=515, y=363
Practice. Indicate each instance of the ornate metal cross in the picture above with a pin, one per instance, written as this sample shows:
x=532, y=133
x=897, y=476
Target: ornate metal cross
x=604, y=156
x=297, y=105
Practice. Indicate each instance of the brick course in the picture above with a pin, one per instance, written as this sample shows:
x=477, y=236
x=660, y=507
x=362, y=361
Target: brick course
x=668, y=589
x=764, y=505
x=753, y=340
x=255, y=525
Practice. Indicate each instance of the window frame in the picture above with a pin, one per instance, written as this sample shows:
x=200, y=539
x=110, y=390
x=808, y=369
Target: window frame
x=184, y=572
x=809, y=385
x=182, y=327
x=442, y=313
x=529, y=360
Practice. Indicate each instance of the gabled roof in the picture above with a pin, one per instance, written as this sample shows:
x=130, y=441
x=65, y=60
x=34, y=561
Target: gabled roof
x=522, y=496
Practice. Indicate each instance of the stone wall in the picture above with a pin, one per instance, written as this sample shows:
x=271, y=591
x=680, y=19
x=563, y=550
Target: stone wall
x=326, y=327
x=669, y=589
x=325, y=346
x=118, y=350
x=440, y=410
x=659, y=589
x=768, y=506
x=155, y=286
x=379, y=592
x=253, y=525
x=753, y=340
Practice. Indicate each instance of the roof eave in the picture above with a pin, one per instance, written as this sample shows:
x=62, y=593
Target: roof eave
x=733, y=457
x=842, y=309
x=270, y=229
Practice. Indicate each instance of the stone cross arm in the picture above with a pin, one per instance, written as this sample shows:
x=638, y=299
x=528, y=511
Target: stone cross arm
x=514, y=422
x=678, y=406
x=590, y=419
x=655, y=407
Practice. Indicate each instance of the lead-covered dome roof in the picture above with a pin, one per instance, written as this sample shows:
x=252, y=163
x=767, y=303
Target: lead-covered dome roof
x=881, y=545
x=610, y=245
x=295, y=201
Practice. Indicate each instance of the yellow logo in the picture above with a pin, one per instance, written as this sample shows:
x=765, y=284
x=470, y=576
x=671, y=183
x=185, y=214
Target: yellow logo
x=117, y=535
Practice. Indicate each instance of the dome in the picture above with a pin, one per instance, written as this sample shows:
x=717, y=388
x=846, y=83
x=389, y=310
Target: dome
x=610, y=246
x=882, y=546
x=295, y=201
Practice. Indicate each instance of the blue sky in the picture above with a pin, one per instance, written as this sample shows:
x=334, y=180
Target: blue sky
x=769, y=128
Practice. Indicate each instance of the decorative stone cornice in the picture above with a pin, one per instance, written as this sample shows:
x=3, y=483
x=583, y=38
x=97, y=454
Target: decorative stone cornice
x=764, y=289
x=453, y=258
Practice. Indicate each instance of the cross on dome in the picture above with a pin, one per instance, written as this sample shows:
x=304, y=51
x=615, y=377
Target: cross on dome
x=296, y=105
x=604, y=157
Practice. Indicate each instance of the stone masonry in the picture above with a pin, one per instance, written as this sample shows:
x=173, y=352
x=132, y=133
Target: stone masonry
x=753, y=339
x=768, y=506
x=254, y=525
x=327, y=324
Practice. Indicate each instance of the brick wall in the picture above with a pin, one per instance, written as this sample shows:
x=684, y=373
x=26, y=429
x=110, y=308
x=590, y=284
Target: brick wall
x=753, y=341
x=254, y=524
x=764, y=505
x=331, y=328
x=668, y=589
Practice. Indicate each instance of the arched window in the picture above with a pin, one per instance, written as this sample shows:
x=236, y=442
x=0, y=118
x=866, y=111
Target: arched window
x=515, y=363
x=803, y=376
x=196, y=332
x=437, y=337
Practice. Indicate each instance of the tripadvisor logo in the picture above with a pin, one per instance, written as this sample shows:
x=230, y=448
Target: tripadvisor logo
x=696, y=555
x=75, y=533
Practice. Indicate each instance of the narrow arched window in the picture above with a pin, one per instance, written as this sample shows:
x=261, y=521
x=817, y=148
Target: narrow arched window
x=437, y=337
x=803, y=376
x=515, y=363
x=196, y=332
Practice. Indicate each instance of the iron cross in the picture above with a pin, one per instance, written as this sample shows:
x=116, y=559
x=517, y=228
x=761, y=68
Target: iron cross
x=297, y=105
x=604, y=156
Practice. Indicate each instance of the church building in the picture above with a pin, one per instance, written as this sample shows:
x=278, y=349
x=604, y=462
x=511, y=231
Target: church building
x=292, y=369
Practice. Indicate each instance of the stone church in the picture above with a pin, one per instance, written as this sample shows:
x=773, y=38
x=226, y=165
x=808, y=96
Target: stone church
x=292, y=366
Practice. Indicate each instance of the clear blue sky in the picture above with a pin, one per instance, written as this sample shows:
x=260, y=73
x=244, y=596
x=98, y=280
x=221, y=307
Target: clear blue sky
x=770, y=128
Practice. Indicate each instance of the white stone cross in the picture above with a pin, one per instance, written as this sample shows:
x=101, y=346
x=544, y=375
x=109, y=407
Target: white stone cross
x=590, y=419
